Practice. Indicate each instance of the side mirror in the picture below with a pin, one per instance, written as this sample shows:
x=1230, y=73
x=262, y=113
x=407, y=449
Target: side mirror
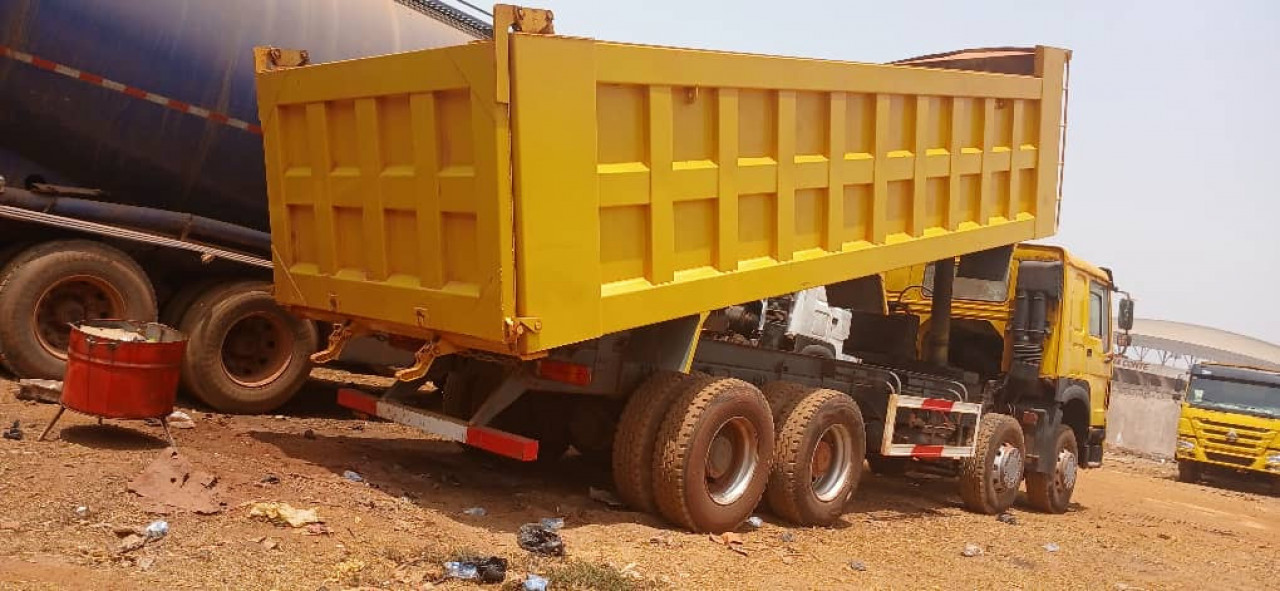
x=1125, y=317
x=1123, y=340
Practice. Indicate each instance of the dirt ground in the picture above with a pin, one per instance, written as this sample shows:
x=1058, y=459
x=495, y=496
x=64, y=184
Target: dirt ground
x=1133, y=526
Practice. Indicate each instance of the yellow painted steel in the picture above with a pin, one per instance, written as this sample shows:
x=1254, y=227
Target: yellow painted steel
x=624, y=185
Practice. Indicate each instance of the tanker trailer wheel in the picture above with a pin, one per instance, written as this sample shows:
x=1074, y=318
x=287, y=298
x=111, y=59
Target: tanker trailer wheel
x=1051, y=493
x=818, y=457
x=46, y=287
x=635, y=441
x=989, y=480
x=713, y=457
x=245, y=354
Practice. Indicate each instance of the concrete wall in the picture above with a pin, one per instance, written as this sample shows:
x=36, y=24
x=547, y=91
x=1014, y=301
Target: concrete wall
x=1143, y=420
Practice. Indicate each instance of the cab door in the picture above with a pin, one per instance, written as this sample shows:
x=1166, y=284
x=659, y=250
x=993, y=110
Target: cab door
x=1094, y=343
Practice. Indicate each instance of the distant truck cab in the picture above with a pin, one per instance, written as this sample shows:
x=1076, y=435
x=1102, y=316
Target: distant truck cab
x=1230, y=421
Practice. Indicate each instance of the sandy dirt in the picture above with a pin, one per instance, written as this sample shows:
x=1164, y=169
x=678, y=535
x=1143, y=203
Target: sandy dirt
x=1132, y=527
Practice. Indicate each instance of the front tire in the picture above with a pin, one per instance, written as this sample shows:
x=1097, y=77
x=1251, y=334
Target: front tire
x=1051, y=492
x=716, y=444
x=989, y=480
x=1190, y=472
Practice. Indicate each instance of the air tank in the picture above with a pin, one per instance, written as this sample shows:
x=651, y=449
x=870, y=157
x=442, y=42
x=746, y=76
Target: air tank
x=143, y=98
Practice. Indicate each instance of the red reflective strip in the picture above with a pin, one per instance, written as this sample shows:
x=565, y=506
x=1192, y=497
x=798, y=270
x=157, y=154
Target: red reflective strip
x=255, y=129
x=503, y=443
x=358, y=401
x=42, y=63
x=179, y=105
x=219, y=117
x=90, y=78
x=937, y=404
x=927, y=451
x=135, y=92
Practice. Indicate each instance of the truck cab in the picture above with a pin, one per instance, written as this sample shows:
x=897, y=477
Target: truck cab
x=1230, y=420
x=1037, y=330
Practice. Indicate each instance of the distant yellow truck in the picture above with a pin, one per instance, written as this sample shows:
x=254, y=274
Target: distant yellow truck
x=1230, y=421
x=552, y=222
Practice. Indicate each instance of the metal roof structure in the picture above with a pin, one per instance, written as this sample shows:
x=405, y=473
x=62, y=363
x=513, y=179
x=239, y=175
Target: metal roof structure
x=1173, y=342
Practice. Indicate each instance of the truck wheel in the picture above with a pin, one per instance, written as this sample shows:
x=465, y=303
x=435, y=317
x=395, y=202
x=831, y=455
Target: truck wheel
x=244, y=353
x=635, y=441
x=818, y=458
x=46, y=287
x=173, y=310
x=1051, y=493
x=1190, y=472
x=782, y=397
x=715, y=447
x=989, y=480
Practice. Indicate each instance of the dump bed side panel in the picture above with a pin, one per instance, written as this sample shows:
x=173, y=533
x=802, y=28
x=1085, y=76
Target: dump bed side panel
x=389, y=184
x=654, y=183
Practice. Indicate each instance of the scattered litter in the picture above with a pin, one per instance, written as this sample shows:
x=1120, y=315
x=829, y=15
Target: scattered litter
x=181, y=420
x=535, y=583
x=971, y=550
x=731, y=541
x=82, y=511
x=858, y=565
x=1008, y=518
x=171, y=482
x=270, y=479
x=146, y=562
x=280, y=417
x=308, y=434
x=552, y=523
x=787, y=537
x=284, y=514
x=48, y=391
x=14, y=432
x=475, y=512
x=353, y=476
x=755, y=522
x=488, y=570
x=1051, y=547
x=156, y=529
x=318, y=529
x=600, y=495
x=540, y=540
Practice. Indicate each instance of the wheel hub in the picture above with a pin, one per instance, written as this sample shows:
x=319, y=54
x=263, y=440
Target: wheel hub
x=732, y=459
x=72, y=300
x=822, y=457
x=1068, y=466
x=832, y=463
x=256, y=350
x=1008, y=467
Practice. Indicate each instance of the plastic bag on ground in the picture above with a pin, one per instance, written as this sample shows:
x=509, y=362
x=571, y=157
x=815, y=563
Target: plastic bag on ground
x=540, y=540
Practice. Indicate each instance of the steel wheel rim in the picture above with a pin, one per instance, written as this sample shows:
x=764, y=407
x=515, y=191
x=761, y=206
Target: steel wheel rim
x=68, y=300
x=1007, y=468
x=256, y=350
x=1066, y=470
x=732, y=459
x=827, y=484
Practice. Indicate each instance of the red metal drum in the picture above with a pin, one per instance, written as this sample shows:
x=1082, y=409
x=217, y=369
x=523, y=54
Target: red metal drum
x=122, y=369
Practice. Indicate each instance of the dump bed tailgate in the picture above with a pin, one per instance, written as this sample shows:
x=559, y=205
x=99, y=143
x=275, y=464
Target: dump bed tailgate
x=573, y=187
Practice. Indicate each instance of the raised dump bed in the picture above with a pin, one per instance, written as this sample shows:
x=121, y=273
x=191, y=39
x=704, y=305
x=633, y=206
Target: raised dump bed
x=531, y=191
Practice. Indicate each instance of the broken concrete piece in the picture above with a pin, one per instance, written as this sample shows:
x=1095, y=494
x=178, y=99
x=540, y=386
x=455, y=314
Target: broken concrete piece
x=171, y=482
x=47, y=391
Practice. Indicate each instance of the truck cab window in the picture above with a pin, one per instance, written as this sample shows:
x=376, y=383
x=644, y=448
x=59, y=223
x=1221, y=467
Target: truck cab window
x=1097, y=310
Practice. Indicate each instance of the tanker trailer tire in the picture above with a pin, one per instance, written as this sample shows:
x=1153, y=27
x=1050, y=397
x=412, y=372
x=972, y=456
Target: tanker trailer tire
x=818, y=458
x=173, y=310
x=714, y=452
x=46, y=287
x=1051, y=492
x=245, y=354
x=989, y=480
x=1190, y=472
x=634, y=442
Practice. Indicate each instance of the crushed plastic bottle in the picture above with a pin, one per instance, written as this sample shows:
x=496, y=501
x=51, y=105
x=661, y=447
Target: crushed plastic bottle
x=157, y=529
x=475, y=512
x=460, y=570
x=1051, y=547
x=353, y=476
x=755, y=522
x=535, y=583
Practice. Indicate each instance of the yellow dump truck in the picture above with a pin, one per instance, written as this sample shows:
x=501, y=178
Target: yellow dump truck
x=1038, y=333
x=1230, y=421
x=549, y=221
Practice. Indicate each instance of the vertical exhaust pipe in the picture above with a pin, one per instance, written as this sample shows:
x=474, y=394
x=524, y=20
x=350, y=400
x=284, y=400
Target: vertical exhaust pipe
x=938, y=342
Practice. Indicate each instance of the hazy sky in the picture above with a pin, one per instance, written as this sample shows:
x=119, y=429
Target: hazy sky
x=1174, y=114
